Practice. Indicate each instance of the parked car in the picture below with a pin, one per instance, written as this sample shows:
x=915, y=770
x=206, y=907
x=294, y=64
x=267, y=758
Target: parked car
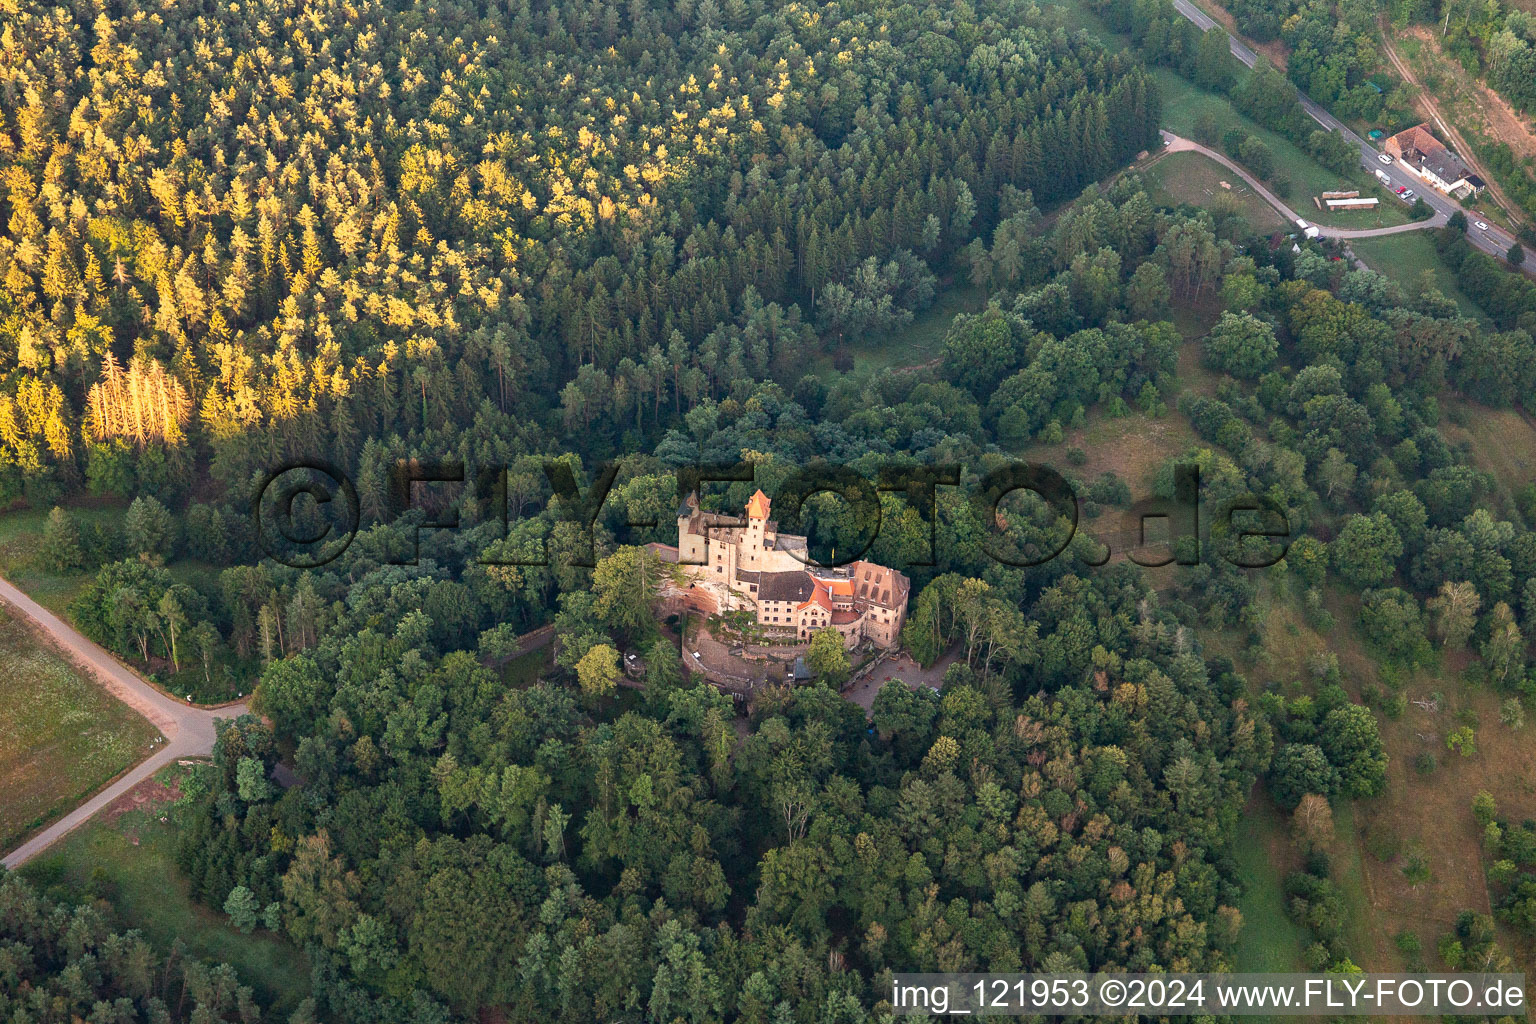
x=1400, y=189
x=1481, y=225
x=1384, y=158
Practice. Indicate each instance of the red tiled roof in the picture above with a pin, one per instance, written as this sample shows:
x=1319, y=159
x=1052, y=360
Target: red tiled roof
x=819, y=596
x=885, y=587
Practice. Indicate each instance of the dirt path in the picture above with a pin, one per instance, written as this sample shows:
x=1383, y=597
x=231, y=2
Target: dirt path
x=188, y=730
x=1506, y=123
x=1427, y=106
x=1177, y=144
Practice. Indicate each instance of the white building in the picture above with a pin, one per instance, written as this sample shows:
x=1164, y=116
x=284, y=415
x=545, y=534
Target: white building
x=736, y=563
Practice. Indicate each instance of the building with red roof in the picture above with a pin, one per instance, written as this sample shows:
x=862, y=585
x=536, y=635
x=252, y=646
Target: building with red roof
x=732, y=563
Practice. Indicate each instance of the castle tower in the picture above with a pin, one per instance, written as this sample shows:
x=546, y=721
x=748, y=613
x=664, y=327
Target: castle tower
x=690, y=542
x=757, y=522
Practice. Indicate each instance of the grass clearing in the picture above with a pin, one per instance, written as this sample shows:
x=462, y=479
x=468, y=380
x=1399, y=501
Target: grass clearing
x=1362, y=930
x=20, y=532
x=1076, y=15
x=1428, y=814
x=919, y=343
x=1196, y=180
x=1270, y=940
x=1406, y=257
x=61, y=736
x=1183, y=104
x=1134, y=447
x=128, y=858
x=1193, y=375
x=1503, y=442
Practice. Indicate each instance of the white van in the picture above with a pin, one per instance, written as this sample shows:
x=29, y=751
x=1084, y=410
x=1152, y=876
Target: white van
x=1386, y=179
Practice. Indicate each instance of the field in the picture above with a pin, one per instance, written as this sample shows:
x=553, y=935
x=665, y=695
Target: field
x=1405, y=257
x=126, y=856
x=61, y=736
x=1194, y=179
x=1182, y=106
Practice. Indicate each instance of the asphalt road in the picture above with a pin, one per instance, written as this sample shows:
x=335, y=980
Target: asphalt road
x=186, y=731
x=1493, y=240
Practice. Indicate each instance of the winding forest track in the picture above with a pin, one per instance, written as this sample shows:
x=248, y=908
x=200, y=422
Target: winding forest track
x=1178, y=144
x=188, y=731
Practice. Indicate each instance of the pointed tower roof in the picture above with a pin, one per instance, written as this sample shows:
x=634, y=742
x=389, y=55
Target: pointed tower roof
x=757, y=507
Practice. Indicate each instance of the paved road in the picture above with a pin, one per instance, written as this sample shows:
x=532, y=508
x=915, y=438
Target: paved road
x=1493, y=240
x=187, y=731
x=1176, y=144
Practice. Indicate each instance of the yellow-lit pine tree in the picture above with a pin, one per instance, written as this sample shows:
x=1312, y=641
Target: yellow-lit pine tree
x=34, y=419
x=142, y=403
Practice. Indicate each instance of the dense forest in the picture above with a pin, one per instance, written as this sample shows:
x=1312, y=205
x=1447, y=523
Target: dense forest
x=65, y=963
x=1068, y=800
x=244, y=234
x=237, y=236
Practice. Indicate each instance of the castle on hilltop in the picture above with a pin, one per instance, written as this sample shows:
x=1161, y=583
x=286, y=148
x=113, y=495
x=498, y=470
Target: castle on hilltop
x=731, y=563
